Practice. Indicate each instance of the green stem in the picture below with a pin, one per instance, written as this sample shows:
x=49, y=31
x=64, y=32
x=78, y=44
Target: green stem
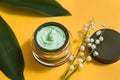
x=66, y=78
x=73, y=71
x=76, y=68
x=102, y=32
x=77, y=52
x=80, y=46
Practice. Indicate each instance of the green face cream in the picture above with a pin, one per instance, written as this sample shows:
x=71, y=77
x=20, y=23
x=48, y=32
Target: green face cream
x=51, y=37
x=51, y=44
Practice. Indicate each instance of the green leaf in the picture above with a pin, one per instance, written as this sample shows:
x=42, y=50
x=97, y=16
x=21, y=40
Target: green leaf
x=11, y=59
x=45, y=7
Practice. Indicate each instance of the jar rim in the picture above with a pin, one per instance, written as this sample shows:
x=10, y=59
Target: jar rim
x=52, y=24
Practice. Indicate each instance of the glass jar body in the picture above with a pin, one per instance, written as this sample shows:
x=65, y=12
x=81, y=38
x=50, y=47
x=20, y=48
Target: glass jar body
x=54, y=58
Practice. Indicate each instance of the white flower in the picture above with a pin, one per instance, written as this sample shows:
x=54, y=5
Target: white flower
x=87, y=39
x=89, y=44
x=71, y=57
x=85, y=29
x=91, y=19
x=86, y=25
x=82, y=48
x=98, y=32
x=80, y=60
x=72, y=67
x=80, y=65
x=89, y=58
x=95, y=53
x=93, y=46
x=80, y=35
x=81, y=53
x=101, y=38
x=91, y=40
x=97, y=41
x=103, y=25
x=93, y=26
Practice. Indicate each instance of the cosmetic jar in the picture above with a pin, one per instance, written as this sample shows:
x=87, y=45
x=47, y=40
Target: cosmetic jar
x=51, y=44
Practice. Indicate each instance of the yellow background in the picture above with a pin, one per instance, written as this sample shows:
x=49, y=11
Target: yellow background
x=24, y=22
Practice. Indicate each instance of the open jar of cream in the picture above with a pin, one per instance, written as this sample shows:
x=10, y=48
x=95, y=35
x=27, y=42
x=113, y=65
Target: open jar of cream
x=51, y=44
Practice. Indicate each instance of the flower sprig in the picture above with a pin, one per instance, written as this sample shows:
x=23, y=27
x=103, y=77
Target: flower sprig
x=86, y=42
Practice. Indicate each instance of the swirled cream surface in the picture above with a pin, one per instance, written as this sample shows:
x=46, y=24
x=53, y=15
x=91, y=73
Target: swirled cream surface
x=51, y=37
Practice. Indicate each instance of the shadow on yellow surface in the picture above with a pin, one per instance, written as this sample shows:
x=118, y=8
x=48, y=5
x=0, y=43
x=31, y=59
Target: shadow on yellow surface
x=99, y=64
x=31, y=63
